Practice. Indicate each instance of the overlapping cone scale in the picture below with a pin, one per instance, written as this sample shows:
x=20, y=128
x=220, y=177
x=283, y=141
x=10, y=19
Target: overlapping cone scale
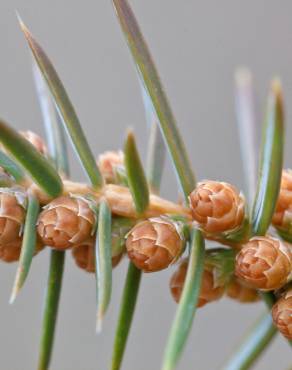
x=154, y=244
x=209, y=292
x=66, y=221
x=264, y=263
x=282, y=314
x=12, y=215
x=217, y=207
x=282, y=218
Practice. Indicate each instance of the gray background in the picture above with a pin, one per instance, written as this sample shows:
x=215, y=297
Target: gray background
x=197, y=46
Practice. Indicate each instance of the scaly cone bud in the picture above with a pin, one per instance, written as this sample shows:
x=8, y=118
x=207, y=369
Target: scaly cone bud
x=84, y=256
x=239, y=292
x=156, y=243
x=110, y=163
x=66, y=221
x=10, y=252
x=12, y=214
x=36, y=141
x=282, y=314
x=264, y=263
x=210, y=290
x=282, y=218
x=217, y=207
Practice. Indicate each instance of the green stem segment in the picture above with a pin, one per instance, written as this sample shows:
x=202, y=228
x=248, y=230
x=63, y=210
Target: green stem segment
x=254, y=345
x=187, y=306
x=128, y=304
x=51, y=308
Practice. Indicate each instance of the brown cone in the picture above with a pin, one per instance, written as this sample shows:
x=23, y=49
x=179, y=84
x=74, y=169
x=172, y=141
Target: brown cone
x=217, y=207
x=241, y=293
x=66, y=221
x=35, y=140
x=10, y=252
x=108, y=162
x=154, y=244
x=209, y=291
x=282, y=314
x=282, y=218
x=264, y=263
x=83, y=255
x=12, y=215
